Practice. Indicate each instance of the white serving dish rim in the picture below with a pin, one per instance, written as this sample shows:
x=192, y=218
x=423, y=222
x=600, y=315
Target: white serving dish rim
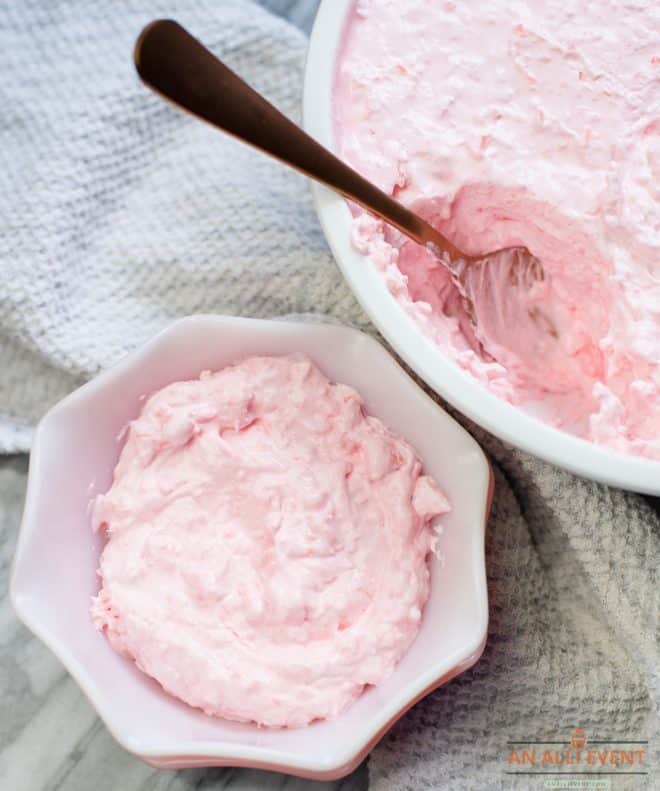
x=446, y=377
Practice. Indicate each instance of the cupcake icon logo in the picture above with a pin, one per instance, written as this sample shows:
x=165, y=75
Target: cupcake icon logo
x=578, y=739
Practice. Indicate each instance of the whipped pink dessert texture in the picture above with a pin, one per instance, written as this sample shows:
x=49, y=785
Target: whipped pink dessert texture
x=533, y=123
x=267, y=543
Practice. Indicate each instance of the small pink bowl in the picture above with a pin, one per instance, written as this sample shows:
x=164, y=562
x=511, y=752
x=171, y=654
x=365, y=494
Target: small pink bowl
x=54, y=575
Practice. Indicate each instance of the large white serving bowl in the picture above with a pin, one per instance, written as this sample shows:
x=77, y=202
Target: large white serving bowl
x=458, y=387
x=75, y=450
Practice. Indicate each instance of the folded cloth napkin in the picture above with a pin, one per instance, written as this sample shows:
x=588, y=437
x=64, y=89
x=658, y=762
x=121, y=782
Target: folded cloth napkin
x=120, y=214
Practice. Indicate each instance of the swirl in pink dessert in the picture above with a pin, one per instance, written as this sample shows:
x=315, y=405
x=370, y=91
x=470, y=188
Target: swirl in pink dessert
x=267, y=543
x=538, y=124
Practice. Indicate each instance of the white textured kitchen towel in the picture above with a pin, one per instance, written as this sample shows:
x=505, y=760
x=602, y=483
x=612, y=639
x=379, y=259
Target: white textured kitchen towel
x=119, y=214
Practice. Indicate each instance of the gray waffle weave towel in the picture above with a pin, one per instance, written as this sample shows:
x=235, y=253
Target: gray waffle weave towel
x=119, y=214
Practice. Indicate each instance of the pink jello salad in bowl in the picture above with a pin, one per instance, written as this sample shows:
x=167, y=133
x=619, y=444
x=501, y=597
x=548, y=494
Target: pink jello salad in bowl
x=533, y=124
x=233, y=532
x=267, y=543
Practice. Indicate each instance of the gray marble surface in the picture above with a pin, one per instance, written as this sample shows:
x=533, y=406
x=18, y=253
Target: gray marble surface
x=50, y=737
x=298, y=12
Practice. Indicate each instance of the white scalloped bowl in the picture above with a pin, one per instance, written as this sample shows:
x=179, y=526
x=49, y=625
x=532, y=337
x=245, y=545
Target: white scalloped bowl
x=54, y=575
x=458, y=387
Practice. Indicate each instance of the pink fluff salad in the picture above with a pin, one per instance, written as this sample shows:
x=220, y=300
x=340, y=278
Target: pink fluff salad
x=536, y=124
